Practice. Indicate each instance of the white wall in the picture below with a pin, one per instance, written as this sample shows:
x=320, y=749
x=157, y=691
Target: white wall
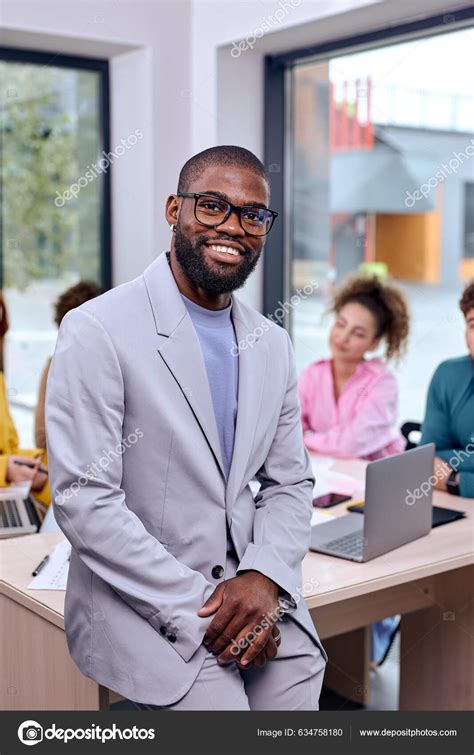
x=149, y=49
x=173, y=76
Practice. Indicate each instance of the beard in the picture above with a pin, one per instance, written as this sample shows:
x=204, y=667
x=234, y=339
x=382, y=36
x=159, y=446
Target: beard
x=217, y=279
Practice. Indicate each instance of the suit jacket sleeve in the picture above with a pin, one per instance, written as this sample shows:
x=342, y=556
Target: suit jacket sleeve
x=84, y=416
x=282, y=524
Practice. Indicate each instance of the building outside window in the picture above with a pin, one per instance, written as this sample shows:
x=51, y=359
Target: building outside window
x=381, y=164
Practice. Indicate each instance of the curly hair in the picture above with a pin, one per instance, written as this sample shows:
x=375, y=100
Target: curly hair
x=388, y=305
x=74, y=297
x=466, y=302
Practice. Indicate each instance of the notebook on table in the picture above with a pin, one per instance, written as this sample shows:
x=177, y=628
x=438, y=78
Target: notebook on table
x=441, y=515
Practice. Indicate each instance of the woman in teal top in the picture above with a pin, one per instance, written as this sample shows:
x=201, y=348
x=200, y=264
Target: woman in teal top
x=449, y=418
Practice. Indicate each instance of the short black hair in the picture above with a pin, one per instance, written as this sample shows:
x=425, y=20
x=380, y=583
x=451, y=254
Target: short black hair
x=222, y=155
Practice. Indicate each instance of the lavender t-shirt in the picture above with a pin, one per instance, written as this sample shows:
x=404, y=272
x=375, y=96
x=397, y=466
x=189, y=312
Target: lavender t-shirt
x=216, y=334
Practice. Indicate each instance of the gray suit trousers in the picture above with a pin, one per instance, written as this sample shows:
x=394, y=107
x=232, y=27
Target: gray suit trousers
x=291, y=681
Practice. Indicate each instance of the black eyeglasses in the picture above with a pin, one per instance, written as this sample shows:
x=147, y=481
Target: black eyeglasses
x=213, y=211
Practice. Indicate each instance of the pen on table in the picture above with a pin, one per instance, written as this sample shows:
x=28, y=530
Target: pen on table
x=31, y=466
x=39, y=567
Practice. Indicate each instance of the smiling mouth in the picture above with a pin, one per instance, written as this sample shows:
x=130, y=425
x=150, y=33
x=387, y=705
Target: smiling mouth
x=224, y=255
x=224, y=249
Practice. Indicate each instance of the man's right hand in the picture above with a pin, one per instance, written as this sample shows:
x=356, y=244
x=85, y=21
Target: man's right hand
x=270, y=650
x=266, y=654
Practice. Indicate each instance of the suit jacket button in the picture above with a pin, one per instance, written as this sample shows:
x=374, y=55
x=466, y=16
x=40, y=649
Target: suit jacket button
x=172, y=637
x=217, y=571
x=163, y=630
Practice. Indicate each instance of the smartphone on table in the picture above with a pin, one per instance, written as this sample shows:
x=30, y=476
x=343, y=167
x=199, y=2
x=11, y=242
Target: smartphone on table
x=330, y=499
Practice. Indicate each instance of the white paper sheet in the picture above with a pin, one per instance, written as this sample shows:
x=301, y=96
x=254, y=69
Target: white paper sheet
x=335, y=482
x=329, y=481
x=53, y=575
x=320, y=463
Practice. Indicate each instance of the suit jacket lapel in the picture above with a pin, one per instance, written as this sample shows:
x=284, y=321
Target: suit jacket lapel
x=179, y=347
x=252, y=371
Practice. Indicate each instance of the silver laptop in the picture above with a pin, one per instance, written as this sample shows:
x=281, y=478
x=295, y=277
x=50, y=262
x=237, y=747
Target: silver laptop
x=18, y=514
x=393, y=512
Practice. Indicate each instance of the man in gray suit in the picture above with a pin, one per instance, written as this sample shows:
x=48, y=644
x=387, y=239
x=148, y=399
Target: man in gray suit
x=166, y=396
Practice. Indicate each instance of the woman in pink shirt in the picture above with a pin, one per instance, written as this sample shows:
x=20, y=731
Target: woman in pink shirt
x=348, y=402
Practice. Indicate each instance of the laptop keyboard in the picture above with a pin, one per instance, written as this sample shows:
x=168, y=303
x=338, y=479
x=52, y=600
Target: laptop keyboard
x=350, y=545
x=10, y=515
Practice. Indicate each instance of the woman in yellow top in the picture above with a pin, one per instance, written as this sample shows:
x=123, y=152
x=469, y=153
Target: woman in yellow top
x=31, y=460
x=10, y=454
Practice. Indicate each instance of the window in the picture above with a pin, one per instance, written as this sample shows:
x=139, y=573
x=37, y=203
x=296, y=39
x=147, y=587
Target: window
x=54, y=206
x=377, y=148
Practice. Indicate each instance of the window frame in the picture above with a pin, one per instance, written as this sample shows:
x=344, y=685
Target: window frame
x=101, y=67
x=468, y=187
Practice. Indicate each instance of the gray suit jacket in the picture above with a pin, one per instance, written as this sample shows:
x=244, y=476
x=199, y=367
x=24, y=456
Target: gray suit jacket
x=138, y=484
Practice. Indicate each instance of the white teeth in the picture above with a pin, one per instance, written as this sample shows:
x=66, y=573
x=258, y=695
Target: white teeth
x=225, y=249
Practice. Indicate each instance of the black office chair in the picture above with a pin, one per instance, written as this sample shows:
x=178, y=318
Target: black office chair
x=406, y=430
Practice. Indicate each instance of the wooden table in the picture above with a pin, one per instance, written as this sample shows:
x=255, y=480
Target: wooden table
x=429, y=582
x=37, y=671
